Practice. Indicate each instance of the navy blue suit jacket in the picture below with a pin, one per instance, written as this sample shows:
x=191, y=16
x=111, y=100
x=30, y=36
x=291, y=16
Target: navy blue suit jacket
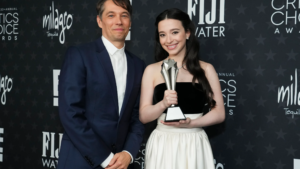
x=88, y=107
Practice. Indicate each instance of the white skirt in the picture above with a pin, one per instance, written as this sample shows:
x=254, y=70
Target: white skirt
x=178, y=148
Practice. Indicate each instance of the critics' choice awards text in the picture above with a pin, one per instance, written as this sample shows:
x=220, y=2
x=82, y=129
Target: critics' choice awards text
x=9, y=22
x=286, y=15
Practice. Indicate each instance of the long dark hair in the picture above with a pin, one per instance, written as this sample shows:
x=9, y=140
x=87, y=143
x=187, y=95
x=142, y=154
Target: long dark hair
x=191, y=58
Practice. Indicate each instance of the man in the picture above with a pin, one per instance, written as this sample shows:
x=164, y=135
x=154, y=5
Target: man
x=99, y=90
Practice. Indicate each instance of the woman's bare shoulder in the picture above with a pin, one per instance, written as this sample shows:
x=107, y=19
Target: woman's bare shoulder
x=204, y=65
x=153, y=69
x=207, y=67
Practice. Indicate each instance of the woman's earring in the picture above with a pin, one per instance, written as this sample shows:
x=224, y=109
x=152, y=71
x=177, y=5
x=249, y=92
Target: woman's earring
x=187, y=38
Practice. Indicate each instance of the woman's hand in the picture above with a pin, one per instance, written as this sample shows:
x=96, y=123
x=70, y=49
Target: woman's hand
x=182, y=123
x=170, y=98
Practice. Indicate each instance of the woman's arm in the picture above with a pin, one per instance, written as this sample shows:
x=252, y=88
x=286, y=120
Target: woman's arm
x=148, y=111
x=217, y=114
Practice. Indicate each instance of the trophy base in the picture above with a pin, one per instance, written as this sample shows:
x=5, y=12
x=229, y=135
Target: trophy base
x=174, y=114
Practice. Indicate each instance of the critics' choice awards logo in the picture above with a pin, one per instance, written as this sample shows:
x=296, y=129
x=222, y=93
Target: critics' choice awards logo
x=9, y=23
x=291, y=95
x=51, y=147
x=56, y=73
x=228, y=85
x=286, y=15
x=56, y=23
x=210, y=24
x=1, y=144
x=6, y=85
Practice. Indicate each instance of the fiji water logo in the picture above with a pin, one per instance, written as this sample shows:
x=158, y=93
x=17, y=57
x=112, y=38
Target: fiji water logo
x=50, y=148
x=1, y=141
x=210, y=24
x=290, y=95
x=55, y=22
x=6, y=85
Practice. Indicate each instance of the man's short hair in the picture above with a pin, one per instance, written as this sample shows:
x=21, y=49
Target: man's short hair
x=122, y=3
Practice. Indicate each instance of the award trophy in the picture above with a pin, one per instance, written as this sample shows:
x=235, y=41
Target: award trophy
x=169, y=71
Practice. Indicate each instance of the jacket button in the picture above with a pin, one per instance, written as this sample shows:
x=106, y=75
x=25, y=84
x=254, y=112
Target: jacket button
x=113, y=146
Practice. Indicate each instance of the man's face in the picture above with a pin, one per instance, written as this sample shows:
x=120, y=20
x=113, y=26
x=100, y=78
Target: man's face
x=115, y=22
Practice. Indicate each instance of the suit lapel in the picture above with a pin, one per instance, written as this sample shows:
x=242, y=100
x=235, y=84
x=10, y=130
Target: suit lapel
x=129, y=82
x=106, y=64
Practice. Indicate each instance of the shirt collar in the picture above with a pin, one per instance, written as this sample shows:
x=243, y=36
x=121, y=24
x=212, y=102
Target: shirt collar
x=111, y=49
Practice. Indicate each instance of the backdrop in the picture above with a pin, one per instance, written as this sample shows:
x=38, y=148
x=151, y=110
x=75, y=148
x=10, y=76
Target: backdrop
x=254, y=46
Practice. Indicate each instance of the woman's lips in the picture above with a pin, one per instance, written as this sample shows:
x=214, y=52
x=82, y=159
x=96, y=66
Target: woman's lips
x=171, y=47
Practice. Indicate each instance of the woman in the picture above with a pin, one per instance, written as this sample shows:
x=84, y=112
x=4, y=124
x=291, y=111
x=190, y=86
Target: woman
x=183, y=144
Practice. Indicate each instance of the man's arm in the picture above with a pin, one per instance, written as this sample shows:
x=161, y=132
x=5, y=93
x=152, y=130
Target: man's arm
x=134, y=136
x=136, y=131
x=72, y=99
x=132, y=145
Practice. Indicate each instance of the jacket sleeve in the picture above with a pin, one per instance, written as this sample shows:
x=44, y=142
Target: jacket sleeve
x=136, y=131
x=72, y=102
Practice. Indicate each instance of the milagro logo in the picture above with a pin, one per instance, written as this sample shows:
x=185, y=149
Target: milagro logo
x=9, y=23
x=291, y=95
x=6, y=85
x=51, y=147
x=286, y=15
x=56, y=73
x=210, y=24
x=1, y=141
x=55, y=22
x=228, y=85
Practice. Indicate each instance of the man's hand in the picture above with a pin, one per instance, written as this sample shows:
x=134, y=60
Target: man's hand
x=119, y=161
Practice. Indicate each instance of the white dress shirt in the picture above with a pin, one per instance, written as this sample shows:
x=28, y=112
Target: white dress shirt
x=119, y=64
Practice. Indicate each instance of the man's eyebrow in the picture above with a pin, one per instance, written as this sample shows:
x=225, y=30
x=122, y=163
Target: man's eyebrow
x=110, y=12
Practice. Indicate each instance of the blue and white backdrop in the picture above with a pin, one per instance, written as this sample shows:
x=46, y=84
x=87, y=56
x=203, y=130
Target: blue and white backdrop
x=254, y=46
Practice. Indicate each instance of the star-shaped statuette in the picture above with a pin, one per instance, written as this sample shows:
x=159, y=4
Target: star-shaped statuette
x=169, y=63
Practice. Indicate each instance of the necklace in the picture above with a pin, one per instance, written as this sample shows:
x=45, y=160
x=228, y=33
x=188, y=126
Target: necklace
x=181, y=66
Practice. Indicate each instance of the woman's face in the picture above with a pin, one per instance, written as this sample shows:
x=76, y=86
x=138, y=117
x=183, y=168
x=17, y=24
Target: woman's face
x=172, y=37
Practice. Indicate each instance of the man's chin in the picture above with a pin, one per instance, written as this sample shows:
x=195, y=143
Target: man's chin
x=119, y=38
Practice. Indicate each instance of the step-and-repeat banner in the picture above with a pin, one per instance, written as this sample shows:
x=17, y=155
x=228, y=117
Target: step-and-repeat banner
x=254, y=46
